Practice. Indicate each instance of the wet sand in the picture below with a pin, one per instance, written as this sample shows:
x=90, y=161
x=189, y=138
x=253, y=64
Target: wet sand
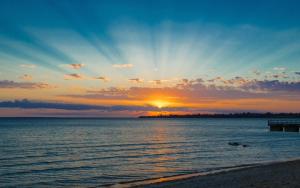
x=275, y=175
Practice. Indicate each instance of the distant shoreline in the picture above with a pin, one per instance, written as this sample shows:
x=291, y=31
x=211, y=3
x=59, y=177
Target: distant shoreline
x=169, y=116
x=231, y=115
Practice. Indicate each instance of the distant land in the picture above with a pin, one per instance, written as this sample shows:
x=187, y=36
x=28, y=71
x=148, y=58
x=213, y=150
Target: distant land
x=230, y=115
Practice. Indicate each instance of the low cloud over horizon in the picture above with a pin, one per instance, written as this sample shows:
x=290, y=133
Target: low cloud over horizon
x=8, y=84
x=81, y=110
x=179, y=95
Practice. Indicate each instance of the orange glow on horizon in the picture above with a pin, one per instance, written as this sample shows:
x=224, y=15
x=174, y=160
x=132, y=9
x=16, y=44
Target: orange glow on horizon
x=160, y=103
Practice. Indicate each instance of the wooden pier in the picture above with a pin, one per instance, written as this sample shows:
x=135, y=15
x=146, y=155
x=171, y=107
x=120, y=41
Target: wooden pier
x=286, y=125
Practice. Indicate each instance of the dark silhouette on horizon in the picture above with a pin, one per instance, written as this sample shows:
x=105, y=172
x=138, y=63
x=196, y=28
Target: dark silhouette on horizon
x=230, y=115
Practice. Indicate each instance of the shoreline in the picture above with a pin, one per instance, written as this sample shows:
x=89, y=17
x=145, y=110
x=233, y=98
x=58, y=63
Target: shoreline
x=225, y=176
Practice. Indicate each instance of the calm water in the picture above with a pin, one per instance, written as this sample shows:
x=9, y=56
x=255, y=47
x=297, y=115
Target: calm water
x=89, y=152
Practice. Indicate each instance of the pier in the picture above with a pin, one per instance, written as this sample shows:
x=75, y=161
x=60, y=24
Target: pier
x=287, y=125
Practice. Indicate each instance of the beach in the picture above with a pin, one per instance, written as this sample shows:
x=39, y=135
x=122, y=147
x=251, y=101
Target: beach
x=274, y=175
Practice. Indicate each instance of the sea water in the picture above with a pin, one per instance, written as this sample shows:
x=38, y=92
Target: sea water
x=58, y=152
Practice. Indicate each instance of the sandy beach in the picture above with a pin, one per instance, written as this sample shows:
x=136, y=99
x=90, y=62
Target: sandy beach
x=275, y=175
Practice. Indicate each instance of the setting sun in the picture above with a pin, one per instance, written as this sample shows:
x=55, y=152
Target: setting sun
x=160, y=103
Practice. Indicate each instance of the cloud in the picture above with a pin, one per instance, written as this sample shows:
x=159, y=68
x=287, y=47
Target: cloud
x=29, y=104
x=31, y=66
x=23, y=85
x=199, y=91
x=136, y=80
x=76, y=66
x=190, y=92
x=73, y=65
x=272, y=85
x=282, y=75
x=198, y=95
x=26, y=77
x=256, y=72
x=74, y=76
x=123, y=66
x=108, y=93
x=26, y=104
x=234, y=82
x=238, y=80
x=158, y=82
x=216, y=79
x=105, y=79
x=279, y=68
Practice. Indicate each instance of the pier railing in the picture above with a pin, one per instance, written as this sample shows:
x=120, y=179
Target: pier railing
x=284, y=122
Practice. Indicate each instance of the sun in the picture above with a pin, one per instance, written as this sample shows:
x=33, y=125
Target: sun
x=159, y=103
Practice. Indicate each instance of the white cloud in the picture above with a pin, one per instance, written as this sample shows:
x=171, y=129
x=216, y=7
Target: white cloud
x=279, y=68
x=123, y=66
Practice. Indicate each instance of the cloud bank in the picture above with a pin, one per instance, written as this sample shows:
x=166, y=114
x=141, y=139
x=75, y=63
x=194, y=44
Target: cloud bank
x=26, y=104
x=7, y=84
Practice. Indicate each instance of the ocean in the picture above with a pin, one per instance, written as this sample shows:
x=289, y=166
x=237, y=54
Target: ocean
x=62, y=152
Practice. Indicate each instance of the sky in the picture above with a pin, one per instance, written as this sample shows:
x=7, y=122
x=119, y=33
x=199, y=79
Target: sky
x=130, y=58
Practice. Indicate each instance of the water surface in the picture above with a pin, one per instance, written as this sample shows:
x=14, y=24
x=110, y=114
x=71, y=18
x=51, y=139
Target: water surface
x=37, y=152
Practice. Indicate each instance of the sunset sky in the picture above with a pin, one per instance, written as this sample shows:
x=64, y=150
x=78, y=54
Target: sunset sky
x=131, y=58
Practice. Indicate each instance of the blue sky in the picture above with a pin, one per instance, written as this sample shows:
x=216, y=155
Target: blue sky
x=273, y=14
x=61, y=51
